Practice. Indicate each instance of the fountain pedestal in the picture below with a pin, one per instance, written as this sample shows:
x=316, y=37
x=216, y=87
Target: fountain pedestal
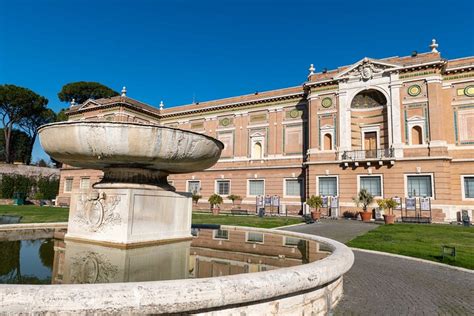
x=129, y=215
x=134, y=203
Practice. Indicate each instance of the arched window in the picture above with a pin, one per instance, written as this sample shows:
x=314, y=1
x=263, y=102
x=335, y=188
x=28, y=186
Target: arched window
x=257, y=151
x=327, y=141
x=368, y=99
x=416, y=135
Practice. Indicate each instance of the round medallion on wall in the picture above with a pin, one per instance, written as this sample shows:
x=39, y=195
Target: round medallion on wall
x=294, y=113
x=327, y=102
x=414, y=90
x=225, y=122
x=469, y=91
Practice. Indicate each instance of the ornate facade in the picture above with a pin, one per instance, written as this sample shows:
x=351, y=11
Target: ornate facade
x=399, y=127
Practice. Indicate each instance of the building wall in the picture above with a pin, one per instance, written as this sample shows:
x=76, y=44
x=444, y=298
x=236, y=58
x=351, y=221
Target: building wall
x=424, y=126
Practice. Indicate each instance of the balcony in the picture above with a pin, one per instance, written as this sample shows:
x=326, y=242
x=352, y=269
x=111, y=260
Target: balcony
x=356, y=156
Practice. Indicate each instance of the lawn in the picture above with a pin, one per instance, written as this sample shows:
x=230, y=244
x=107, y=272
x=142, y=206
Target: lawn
x=421, y=241
x=36, y=214
x=249, y=220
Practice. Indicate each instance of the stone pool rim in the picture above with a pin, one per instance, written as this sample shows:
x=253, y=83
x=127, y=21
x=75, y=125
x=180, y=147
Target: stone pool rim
x=185, y=295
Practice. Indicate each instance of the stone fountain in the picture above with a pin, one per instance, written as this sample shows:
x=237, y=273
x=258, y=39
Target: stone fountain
x=133, y=204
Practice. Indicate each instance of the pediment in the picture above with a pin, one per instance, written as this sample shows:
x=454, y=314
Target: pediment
x=415, y=118
x=89, y=104
x=366, y=68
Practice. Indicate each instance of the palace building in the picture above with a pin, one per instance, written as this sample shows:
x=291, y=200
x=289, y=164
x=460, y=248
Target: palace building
x=399, y=127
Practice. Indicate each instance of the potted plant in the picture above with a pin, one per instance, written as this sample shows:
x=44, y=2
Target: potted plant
x=196, y=197
x=390, y=205
x=236, y=199
x=365, y=198
x=215, y=200
x=315, y=202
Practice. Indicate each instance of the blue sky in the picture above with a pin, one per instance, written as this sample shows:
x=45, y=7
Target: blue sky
x=174, y=50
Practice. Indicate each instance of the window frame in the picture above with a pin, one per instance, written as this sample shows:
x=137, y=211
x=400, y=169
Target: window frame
x=327, y=176
x=431, y=175
x=463, y=192
x=291, y=245
x=248, y=187
x=285, y=194
x=66, y=179
x=187, y=186
x=253, y=241
x=80, y=183
x=216, y=186
x=215, y=232
x=371, y=175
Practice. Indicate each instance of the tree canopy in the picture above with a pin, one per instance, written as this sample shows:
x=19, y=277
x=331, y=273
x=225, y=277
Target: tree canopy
x=82, y=90
x=17, y=105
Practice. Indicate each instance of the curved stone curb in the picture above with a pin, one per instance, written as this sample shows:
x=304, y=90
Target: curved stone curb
x=188, y=295
x=413, y=259
x=34, y=226
x=292, y=225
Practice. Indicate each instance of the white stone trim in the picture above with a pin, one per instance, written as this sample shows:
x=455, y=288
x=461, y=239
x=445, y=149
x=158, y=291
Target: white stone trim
x=328, y=176
x=284, y=187
x=216, y=187
x=370, y=129
x=405, y=183
x=193, y=180
x=248, y=187
x=463, y=195
x=372, y=175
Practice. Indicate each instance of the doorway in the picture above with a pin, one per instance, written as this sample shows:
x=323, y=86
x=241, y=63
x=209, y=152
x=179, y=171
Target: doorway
x=370, y=144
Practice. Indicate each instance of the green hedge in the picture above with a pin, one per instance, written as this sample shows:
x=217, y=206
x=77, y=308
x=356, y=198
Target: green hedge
x=41, y=188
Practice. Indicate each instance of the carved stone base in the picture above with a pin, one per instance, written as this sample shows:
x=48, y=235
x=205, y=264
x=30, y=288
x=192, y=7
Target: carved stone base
x=129, y=215
x=86, y=263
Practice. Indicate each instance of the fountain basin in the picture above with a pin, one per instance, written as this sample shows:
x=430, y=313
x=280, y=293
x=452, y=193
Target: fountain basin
x=108, y=145
x=312, y=288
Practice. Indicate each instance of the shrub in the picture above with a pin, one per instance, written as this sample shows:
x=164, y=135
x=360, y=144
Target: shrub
x=234, y=197
x=44, y=188
x=215, y=200
x=315, y=202
x=365, y=198
x=196, y=197
x=349, y=214
x=48, y=188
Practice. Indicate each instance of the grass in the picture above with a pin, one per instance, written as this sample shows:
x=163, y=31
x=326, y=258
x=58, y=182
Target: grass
x=45, y=214
x=36, y=214
x=250, y=221
x=421, y=241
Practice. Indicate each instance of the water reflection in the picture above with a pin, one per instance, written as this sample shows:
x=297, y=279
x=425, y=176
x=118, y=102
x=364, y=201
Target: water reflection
x=210, y=253
x=26, y=261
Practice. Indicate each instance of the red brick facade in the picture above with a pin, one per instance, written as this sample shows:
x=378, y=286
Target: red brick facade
x=400, y=126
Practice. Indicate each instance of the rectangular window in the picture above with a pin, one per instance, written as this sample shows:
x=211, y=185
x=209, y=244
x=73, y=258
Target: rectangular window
x=221, y=234
x=68, y=185
x=256, y=187
x=85, y=182
x=223, y=187
x=373, y=184
x=293, y=187
x=291, y=241
x=328, y=186
x=255, y=237
x=469, y=187
x=419, y=186
x=194, y=186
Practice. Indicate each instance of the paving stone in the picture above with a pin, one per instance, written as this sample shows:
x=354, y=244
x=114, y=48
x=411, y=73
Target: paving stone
x=385, y=285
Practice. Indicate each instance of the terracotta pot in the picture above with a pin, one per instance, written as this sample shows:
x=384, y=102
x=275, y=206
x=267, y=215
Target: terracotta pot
x=237, y=202
x=215, y=211
x=366, y=216
x=315, y=215
x=389, y=219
